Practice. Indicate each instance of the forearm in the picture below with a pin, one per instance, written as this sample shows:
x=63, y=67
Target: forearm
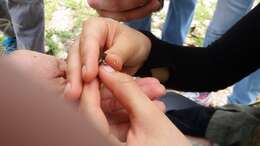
x=223, y=63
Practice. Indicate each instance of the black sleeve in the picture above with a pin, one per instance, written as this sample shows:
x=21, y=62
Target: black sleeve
x=234, y=56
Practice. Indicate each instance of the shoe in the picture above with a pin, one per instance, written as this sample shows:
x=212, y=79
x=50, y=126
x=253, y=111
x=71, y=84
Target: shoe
x=9, y=44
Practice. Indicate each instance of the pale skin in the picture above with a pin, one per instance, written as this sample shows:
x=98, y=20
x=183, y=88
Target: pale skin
x=47, y=69
x=136, y=125
x=125, y=49
x=141, y=128
x=125, y=10
x=51, y=72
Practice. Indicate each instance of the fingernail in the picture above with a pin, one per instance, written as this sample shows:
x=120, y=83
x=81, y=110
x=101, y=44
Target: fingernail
x=108, y=68
x=113, y=59
x=84, y=70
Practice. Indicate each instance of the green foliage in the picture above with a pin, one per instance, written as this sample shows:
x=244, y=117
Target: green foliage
x=1, y=39
x=55, y=39
x=203, y=15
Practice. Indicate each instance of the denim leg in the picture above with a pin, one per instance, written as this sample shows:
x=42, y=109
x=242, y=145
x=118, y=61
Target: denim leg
x=5, y=20
x=246, y=91
x=227, y=13
x=178, y=20
x=142, y=24
x=28, y=22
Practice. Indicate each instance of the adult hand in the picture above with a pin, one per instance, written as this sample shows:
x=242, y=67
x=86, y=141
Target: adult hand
x=125, y=50
x=150, y=86
x=50, y=71
x=148, y=125
x=127, y=9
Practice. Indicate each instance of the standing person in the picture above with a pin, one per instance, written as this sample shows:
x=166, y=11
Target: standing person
x=27, y=18
x=245, y=91
x=177, y=23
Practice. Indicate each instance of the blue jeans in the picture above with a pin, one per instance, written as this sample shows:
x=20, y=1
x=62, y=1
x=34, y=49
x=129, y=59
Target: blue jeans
x=229, y=12
x=177, y=23
x=27, y=18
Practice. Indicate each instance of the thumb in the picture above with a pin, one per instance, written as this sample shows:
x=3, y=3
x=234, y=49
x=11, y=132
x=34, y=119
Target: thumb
x=126, y=91
x=118, y=54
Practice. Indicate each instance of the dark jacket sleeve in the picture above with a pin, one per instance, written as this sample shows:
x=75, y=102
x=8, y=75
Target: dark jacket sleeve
x=231, y=58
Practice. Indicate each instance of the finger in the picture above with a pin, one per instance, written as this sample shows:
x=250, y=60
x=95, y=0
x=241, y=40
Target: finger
x=90, y=106
x=89, y=50
x=117, y=56
x=160, y=105
x=74, y=86
x=150, y=86
x=92, y=40
x=112, y=105
x=120, y=52
x=153, y=91
x=128, y=53
x=121, y=116
x=126, y=91
x=132, y=14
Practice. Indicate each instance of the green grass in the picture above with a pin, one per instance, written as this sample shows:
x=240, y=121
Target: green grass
x=79, y=13
x=57, y=40
x=202, y=17
x=1, y=39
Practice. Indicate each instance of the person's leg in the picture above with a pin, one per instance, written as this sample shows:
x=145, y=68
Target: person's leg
x=227, y=13
x=245, y=91
x=28, y=22
x=141, y=24
x=5, y=20
x=8, y=43
x=178, y=21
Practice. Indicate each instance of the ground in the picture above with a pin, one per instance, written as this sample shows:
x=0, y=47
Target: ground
x=67, y=12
